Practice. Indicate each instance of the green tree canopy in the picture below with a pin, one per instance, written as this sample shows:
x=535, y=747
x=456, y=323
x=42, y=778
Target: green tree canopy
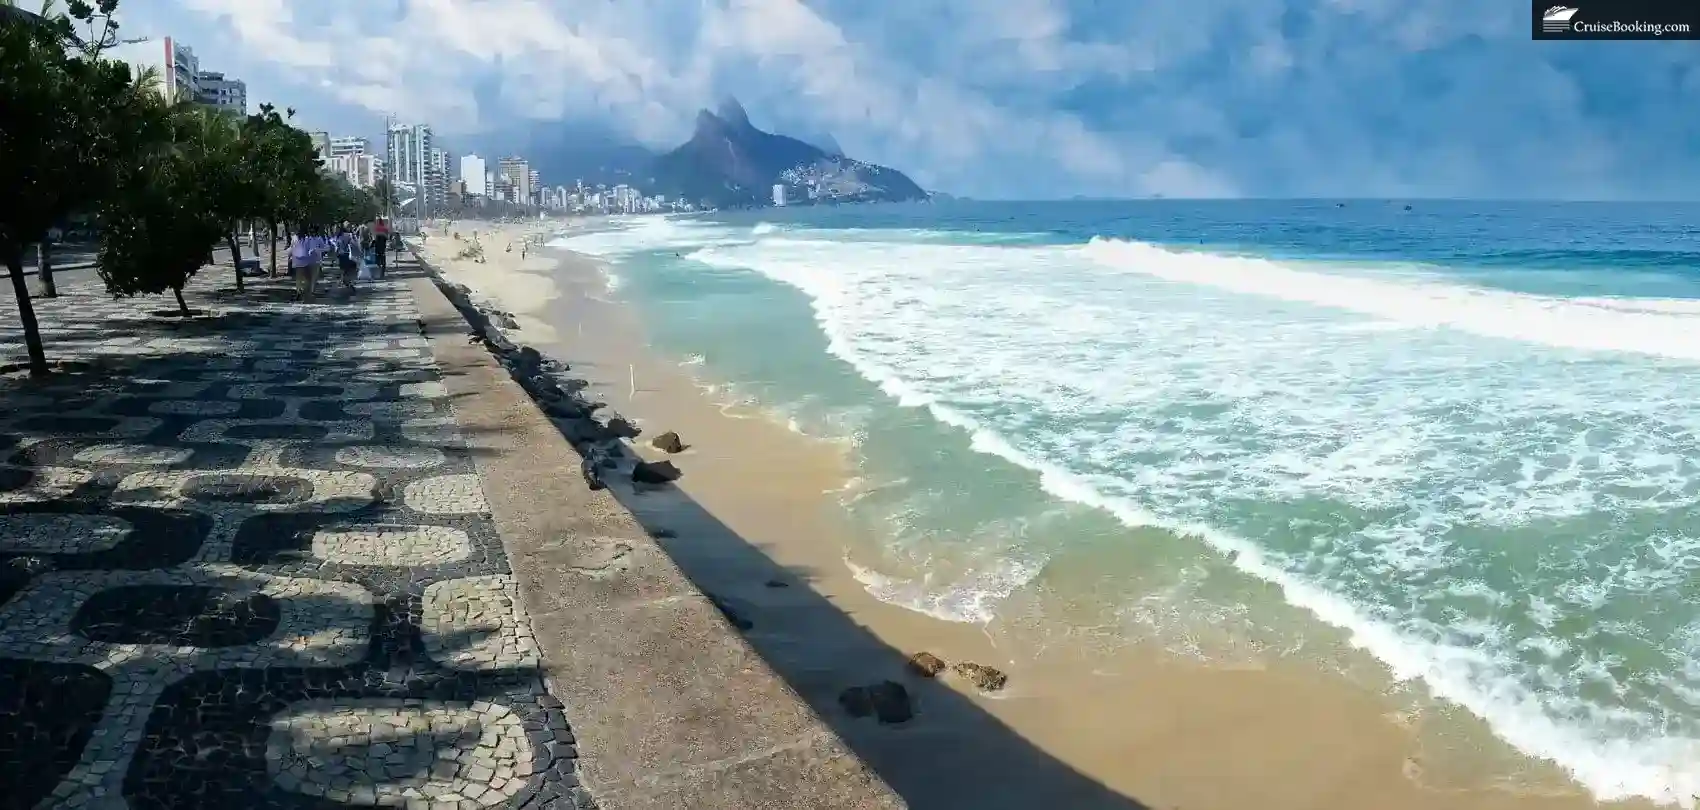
x=70, y=120
x=169, y=209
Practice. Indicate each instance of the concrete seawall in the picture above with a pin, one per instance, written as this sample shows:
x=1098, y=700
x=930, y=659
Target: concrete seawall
x=672, y=708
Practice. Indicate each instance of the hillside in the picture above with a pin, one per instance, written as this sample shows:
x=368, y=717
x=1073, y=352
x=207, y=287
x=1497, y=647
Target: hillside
x=728, y=163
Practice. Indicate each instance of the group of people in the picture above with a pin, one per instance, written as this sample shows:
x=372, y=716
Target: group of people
x=350, y=246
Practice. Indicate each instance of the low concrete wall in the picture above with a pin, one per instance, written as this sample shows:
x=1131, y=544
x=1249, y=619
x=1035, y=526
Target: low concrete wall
x=671, y=707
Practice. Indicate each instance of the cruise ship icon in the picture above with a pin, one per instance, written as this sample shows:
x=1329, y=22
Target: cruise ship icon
x=1557, y=19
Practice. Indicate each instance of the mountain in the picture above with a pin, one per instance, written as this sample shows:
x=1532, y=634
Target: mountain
x=728, y=163
x=826, y=143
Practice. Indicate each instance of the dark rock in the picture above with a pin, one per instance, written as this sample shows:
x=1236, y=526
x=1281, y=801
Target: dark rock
x=984, y=678
x=731, y=615
x=507, y=321
x=565, y=409
x=655, y=472
x=622, y=427
x=528, y=361
x=778, y=583
x=926, y=665
x=668, y=442
x=545, y=385
x=592, y=477
x=663, y=534
x=887, y=701
x=583, y=431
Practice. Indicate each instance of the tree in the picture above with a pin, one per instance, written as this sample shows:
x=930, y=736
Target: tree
x=285, y=164
x=102, y=33
x=69, y=118
x=166, y=213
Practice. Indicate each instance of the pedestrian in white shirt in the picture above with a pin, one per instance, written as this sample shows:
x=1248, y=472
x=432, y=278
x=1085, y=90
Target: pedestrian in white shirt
x=306, y=256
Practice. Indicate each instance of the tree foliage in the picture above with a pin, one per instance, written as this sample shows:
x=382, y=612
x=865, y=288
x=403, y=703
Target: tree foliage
x=168, y=210
x=165, y=182
x=70, y=119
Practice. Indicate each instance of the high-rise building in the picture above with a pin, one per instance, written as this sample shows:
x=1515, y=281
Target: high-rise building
x=441, y=174
x=778, y=194
x=222, y=93
x=472, y=173
x=349, y=145
x=518, y=173
x=177, y=69
x=407, y=163
x=361, y=171
x=321, y=144
x=535, y=184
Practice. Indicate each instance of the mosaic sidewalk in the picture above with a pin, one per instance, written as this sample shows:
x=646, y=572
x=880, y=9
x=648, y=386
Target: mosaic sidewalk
x=245, y=562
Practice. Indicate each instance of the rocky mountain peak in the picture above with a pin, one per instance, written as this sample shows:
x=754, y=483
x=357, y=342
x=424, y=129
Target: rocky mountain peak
x=733, y=113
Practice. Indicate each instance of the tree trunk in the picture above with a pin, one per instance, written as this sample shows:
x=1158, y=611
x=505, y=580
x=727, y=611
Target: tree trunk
x=274, y=248
x=26, y=310
x=182, y=306
x=45, y=288
x=235, y=258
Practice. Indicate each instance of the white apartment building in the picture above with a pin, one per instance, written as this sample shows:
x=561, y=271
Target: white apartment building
x=349, y=145
x=518, y=173
x=175, y=63
x=222, y=93
x=778, y=195
x=407, y=161
x=361, y=171
x=472, y=173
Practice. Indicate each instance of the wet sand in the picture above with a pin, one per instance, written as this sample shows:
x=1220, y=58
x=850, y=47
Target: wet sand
x=1075, y=728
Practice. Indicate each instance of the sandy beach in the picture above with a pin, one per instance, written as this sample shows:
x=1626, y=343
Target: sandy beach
x=750, y=523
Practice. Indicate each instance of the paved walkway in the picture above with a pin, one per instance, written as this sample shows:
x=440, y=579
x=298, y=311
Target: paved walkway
x=246, y=562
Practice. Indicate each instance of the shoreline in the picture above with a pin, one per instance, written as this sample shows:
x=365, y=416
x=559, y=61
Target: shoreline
x=1165, y=732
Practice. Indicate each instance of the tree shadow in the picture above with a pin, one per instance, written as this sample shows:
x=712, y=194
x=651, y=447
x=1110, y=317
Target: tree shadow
x=951, y=754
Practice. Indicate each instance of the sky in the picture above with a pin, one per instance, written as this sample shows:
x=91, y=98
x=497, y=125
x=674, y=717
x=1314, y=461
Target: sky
x=1025, y=99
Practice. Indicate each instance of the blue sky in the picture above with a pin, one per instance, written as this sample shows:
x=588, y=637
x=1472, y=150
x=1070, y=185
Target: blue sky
x=1012, y=98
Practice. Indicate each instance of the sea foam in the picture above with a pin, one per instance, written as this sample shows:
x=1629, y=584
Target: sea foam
x=1398, y=454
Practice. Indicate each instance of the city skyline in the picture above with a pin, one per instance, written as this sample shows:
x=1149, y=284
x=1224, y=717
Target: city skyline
x=428, y=178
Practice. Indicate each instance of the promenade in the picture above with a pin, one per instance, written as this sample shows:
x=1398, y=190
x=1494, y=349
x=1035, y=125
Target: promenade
x=246, y=562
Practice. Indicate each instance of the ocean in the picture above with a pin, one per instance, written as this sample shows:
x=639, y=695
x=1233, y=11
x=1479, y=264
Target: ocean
x=1458, y=437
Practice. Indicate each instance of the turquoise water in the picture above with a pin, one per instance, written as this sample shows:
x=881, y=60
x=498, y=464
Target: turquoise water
x=1461, y=434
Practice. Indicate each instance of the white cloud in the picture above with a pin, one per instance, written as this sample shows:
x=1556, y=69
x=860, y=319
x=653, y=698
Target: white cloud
x=1027, y=98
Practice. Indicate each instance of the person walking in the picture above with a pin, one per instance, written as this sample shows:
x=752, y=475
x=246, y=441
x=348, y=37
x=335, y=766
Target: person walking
x=346, y=245
x=380, y=243
x=305, y=255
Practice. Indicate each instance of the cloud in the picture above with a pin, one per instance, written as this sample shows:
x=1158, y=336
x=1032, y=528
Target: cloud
x=1021, y=98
